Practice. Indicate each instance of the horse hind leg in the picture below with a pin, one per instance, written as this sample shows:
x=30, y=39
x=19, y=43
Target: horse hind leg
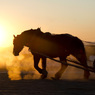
x=86, y=72
x=81, y=57
x=62, y=69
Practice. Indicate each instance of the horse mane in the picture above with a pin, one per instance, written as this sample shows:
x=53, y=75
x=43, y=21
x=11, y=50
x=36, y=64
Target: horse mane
x=32, y=32
x=36, y=32
x=57, y=38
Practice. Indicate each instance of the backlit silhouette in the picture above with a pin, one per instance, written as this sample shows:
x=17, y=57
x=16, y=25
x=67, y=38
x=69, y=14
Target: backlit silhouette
x=59, y=45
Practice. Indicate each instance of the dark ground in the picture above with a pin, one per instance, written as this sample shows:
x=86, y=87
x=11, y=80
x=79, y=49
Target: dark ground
x=46, y=87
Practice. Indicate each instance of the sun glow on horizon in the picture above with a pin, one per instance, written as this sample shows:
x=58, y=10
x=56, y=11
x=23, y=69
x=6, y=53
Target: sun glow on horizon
x=4, y=37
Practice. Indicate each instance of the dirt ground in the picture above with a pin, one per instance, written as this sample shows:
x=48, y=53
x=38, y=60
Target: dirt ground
x=46, y=86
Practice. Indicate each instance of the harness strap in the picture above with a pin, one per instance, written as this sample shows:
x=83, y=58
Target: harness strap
x=88, y=68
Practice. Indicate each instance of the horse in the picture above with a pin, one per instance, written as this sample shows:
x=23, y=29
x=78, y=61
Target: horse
x=52, y=45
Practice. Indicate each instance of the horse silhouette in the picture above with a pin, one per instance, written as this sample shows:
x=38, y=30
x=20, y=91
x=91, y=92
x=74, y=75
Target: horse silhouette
x=52, y=45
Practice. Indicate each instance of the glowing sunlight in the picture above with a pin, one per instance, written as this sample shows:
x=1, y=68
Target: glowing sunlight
x=4, y=37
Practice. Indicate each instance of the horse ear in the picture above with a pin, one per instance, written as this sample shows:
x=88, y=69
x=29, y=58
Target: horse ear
x=14, y=36
x=39, y=28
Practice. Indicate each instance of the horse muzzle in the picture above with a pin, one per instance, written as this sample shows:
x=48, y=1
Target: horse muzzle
x=16, y=54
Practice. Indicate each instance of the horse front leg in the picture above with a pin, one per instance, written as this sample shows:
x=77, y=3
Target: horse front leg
x=36, y=61
x=44, y=72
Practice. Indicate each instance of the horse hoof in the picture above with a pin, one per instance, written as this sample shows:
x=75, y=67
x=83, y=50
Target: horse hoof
x=43, y=76
x=53, y=78
x=44, y=72
x=86, y=77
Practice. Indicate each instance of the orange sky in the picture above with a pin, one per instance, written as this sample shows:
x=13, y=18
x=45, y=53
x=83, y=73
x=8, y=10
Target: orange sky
x=76, y=17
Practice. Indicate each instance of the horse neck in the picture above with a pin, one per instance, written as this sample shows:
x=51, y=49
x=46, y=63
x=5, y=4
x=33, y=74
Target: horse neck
x=28, y=40
x=23, y=40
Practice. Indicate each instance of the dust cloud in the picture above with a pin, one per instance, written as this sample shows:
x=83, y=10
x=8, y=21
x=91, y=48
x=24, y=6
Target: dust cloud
x=17, y=67
x=22, y=66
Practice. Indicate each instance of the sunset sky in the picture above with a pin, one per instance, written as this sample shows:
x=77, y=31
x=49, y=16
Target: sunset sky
x=76, y=17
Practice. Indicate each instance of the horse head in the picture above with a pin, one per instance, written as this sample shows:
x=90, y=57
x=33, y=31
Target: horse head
x=24, y=39
x=18, y=45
